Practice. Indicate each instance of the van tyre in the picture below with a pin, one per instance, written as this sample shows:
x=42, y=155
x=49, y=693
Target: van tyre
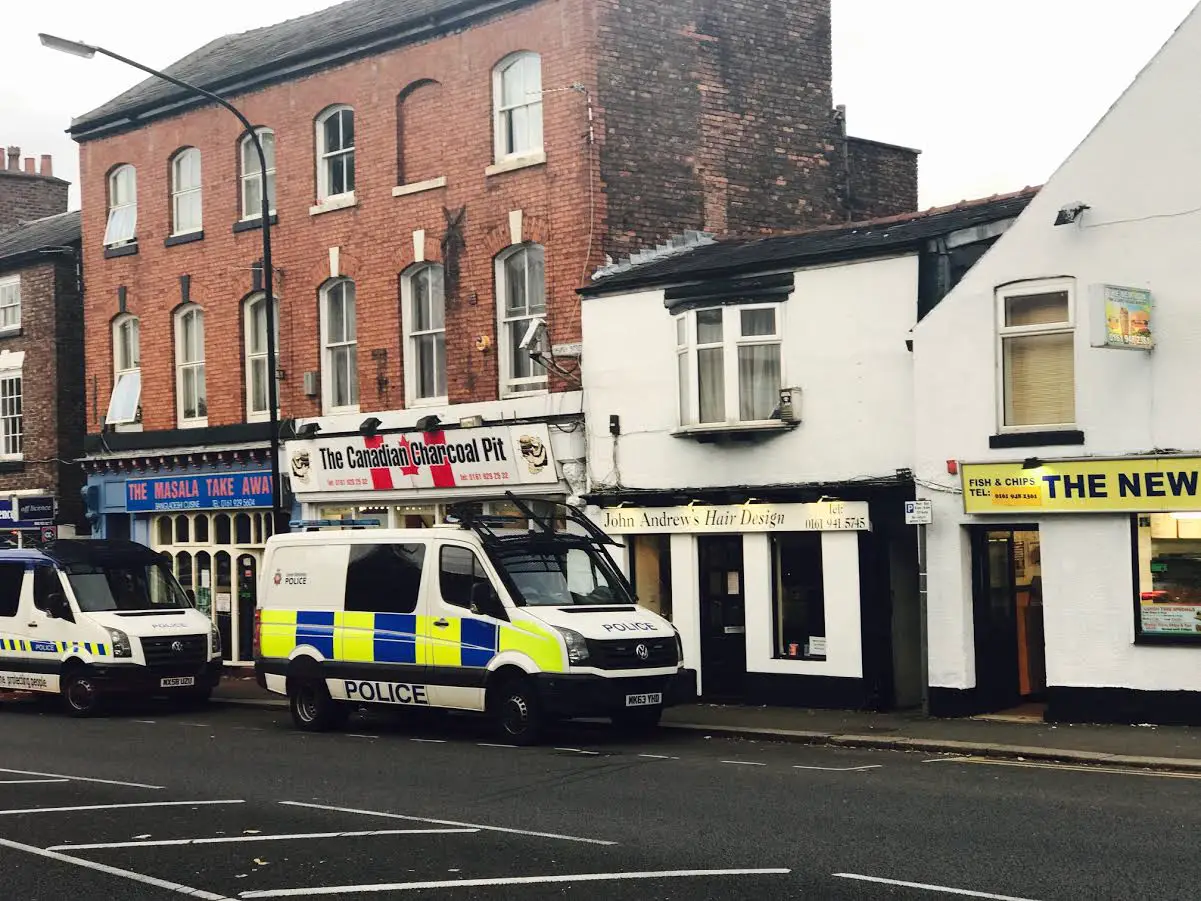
x=81, y=696
x=638, y=720
x=312, y=708
x=518, y=713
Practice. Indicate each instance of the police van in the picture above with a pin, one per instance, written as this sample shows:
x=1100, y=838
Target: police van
x=508, y=616
x=88, y=620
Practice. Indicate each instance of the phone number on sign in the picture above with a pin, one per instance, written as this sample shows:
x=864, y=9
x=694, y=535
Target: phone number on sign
x=482, y=477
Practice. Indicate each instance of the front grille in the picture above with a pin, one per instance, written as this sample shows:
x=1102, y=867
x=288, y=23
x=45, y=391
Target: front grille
x=193, y=649
x=623, y=653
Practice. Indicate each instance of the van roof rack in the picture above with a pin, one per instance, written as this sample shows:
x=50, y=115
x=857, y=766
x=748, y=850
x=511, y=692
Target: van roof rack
x=483, y=524
x=312, y=525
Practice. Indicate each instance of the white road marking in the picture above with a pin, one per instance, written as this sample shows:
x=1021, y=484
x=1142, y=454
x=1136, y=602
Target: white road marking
x=658, y=757
x=197, y=725
x=967, y=893
x=577, y=751
x=1079, y=768
x=232, y=839
x=488, y=744
x=513, y=880
x=30, y=781
x=357, y=735
x=81, y=779
x=840, y=769
x=115, y=871
x=430, y=741
x=6, y=813
x=943, y=760
x=146, y=722
x=401, y=816
x=744, y=763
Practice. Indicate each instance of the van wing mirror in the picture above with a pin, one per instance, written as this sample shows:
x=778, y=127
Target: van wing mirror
x=484, y=601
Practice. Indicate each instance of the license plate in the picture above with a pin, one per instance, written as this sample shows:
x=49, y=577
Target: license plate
x=178, y=682
x=644, y=700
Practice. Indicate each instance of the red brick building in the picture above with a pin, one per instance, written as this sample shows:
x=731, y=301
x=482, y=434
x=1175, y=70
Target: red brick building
x=445, y=175
x=41, y=355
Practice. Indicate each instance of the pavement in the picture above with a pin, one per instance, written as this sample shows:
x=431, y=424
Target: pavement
x=230, y=803
x=1014, y=738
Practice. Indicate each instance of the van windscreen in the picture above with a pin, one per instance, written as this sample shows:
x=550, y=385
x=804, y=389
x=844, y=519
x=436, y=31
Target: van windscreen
x=126, y=586
x=561, y=577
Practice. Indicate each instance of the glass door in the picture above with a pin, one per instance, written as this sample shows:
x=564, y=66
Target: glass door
x=723, y=617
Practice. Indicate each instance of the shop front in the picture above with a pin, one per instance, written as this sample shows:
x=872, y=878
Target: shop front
x=27, y=520
x=412, y=479
x=1086, y=586
x=776, y=603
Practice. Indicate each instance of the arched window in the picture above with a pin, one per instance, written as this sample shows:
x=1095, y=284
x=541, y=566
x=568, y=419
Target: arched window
x=257, y=364
x=339, y=340
x=424, y=323
x=252, y=174
x=420, y=134
x=122, y=227
x=186, y=214
x=335, y=152
x=517, y=105
x=190, y=389
x=221, y=529
x=182, y=529
x=165, y=534
x=521, y=291
x=124, y=405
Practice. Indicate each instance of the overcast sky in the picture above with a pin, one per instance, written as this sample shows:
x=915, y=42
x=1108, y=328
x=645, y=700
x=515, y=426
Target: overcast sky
x=994, y=94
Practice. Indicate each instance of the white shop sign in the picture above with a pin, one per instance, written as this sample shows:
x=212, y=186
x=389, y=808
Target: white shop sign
x=457, y=458
x=829, y=516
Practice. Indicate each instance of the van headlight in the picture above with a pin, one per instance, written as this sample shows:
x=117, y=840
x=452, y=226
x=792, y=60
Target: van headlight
x=577, y=647
x=216, y=635
x=121, y=645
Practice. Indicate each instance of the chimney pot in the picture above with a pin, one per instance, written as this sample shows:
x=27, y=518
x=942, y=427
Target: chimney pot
x=14, y=159
x=30, y=166
x=47, y=168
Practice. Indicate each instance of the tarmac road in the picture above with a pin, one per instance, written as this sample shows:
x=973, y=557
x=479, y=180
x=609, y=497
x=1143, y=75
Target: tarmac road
x=232, y=803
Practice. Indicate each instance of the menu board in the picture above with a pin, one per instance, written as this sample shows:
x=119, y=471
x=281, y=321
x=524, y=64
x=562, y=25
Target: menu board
x=1170, y=619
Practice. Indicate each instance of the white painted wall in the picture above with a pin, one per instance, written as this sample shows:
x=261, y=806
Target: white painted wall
x=844, y=331
x=1138, y=171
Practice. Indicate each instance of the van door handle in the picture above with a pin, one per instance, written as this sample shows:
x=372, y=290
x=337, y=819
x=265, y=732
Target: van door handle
x=441, y=623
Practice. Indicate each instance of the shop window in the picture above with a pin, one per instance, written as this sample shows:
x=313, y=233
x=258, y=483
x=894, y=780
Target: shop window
x=164, y=528
x=798, y=596
x=183, y=569
x=204, y=583
x=242, y=529
x=384, y=578
x=729, y=362
x=221, y=529
x=182, y=530
x=460, y=570
x=200, y=529
x=1168, y=556
x=1036, y=331
x=650, y=571
x=12, y=577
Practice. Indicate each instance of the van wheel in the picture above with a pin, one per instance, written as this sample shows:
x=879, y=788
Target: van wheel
x=312, y=709
x=638, y=720
x=80, y=695
x=517, y=712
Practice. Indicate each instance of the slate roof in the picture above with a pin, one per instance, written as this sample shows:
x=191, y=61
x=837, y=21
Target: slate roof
x=253, y=59
x=20, y=244
x=739, y=255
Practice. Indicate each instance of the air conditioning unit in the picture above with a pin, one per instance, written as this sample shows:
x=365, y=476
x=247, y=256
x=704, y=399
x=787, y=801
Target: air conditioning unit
x=312, y=383
x=790, y=405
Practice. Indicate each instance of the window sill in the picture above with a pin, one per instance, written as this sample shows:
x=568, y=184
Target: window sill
x=733, y=430
x=341, y=411
x=194, y=423
x=126, y=426
x=1044, y=438
x=419, y=187
x=422, y=402
x=249, y=225
x=184, y=238
x=12, y=465
x=331, y=204
x=534, y=391
x=517, y=162
x=121, y=250
x=14, y=332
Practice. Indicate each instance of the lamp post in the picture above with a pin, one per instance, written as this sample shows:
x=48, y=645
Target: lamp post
x=87, y=51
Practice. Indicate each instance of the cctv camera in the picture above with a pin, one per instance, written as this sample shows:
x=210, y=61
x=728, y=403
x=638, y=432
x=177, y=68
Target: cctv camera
x=531, y=334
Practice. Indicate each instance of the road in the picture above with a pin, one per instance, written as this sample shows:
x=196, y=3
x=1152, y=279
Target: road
x=232, y=803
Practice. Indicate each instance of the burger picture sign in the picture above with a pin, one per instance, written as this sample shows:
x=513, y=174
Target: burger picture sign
x=454, y=458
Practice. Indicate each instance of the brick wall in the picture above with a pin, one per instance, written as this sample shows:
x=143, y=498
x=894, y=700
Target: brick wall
x=882, y=179
x=52, y=385
x=29, y=193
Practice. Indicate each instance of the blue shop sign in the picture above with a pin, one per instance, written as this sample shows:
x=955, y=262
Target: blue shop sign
x=219, y=491
x=31, y=512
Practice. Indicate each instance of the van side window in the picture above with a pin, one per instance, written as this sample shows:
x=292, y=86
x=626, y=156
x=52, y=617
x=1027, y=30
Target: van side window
x=384, y=578
x=45, y=583
x=12, y=576
x=461, y=569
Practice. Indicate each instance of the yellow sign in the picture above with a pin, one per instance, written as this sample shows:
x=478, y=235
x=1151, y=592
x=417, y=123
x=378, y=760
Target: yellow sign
x=1133, y=485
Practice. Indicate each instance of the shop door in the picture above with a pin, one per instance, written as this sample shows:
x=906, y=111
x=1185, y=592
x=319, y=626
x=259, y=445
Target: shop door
x=723, y=617
x=248, y=569
x=1007, y=595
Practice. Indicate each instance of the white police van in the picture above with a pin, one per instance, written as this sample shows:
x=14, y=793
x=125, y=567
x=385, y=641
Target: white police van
x=87, y=620
x=508, y=616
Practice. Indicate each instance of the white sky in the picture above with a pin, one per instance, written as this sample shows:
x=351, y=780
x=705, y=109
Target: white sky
x=995, y=94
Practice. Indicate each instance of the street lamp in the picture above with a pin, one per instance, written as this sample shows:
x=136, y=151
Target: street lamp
x=87, y=51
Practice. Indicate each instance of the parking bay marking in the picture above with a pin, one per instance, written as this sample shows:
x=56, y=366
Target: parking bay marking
x=413, y=819
x=232, y=839
x=25, y=810
x=922, y=886
x=115, y=871
x=81, y=779
x=512, y=880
